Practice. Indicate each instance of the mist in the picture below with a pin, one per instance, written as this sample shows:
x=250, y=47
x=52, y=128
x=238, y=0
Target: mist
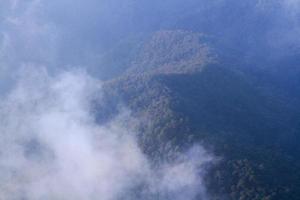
x=54, y=57
x=93, y=34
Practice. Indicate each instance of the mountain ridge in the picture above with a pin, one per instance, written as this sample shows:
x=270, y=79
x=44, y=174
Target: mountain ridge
x=228, y=109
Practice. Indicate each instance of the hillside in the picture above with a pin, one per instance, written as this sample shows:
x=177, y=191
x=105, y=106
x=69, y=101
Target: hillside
x=183, y=94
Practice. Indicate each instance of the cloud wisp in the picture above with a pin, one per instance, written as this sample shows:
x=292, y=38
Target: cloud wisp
x=52, y=148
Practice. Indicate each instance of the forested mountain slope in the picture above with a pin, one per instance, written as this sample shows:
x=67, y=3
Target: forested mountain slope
x=183, y=93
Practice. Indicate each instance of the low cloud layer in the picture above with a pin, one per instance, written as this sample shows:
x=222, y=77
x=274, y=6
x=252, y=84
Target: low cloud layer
x=51, y=148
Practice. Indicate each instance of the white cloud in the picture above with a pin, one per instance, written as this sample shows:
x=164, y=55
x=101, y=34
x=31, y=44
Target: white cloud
x=51, y=147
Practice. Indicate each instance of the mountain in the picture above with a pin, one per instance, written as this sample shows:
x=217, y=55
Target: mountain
x=184, y=92
x=172, y=52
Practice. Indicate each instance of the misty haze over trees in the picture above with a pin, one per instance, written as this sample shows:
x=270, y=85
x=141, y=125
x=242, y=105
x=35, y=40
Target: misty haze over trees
x=172, y=99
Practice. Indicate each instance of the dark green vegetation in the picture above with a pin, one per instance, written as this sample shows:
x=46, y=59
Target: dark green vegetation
x=184, y=93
